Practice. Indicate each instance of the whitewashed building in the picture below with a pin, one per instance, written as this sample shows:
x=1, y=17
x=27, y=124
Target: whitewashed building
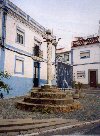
x=23, y=52
x=86, y=61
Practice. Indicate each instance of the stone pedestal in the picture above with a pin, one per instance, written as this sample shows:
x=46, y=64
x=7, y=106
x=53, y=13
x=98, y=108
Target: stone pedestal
x=48, y=99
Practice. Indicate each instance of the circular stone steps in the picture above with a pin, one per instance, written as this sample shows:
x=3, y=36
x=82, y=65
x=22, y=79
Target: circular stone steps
x=48, y=107
x=58, y=95
x=48, y=101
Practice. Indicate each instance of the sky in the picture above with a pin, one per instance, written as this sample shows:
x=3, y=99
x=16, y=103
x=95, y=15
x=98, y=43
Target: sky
x=66, y=18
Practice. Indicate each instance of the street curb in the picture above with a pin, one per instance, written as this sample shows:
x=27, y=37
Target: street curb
x=61, y=128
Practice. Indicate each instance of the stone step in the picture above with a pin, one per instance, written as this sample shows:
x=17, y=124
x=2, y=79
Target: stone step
x=37, y=125
x=93, y=92
x=35, y=89
x=26, y=121
x=48, y=100
x=46, y=90
x=47, y=107
x=15, y=122
x=49, y=90
x=58, y=95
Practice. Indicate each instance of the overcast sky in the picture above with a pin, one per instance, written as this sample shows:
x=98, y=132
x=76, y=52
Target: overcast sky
x=67, y=18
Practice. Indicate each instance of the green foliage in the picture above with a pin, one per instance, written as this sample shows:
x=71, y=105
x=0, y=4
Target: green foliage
x=3, y=85
x=77, y=85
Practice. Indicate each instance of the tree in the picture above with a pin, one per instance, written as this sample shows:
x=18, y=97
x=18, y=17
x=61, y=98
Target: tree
x=3, y=85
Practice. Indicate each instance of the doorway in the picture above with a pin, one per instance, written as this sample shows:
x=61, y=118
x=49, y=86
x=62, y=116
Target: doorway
x=36, y=74
x=93, y=78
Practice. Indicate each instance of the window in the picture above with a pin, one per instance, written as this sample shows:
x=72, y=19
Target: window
x=20, y=36
x=36, y=50
x=66, y=57
x=84, y=54
x=19, y=65
x=80, y=74
x=37, y=47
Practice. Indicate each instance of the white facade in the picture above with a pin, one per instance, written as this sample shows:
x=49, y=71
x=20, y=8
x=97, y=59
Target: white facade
x=86, y=61
x=21, y=35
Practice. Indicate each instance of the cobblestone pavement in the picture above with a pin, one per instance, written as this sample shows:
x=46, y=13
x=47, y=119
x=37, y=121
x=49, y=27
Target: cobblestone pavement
x=90, y=110
x=91, y=129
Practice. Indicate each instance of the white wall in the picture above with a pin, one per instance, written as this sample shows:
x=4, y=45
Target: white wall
x=85, y=68
x=94, y=58
x=94, y=54
x=10, y=64
x=11, y=25
x=69, y=62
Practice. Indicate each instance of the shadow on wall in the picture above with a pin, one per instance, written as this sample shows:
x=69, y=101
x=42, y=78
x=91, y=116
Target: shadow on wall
x=20, y=86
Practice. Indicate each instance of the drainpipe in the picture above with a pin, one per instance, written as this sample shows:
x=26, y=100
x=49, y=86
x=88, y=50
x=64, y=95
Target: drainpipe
x=72, y=57
x=3, y=28
x=72, y=65
x=3, y=35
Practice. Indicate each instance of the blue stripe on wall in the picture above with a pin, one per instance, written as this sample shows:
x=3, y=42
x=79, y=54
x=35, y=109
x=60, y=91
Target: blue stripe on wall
x=87, y=63
x=18, y=50
x=20, y=86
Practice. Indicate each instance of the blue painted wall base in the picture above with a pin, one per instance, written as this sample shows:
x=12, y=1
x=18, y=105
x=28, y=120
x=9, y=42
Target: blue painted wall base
x=20, y=86
x=42, y=82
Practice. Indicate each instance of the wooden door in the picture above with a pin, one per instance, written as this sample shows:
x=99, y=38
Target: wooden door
x=92, y=78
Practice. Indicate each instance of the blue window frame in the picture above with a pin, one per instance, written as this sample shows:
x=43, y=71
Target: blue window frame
x=19, y=65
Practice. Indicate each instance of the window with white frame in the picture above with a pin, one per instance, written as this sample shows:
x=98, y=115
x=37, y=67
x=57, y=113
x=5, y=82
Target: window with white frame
x=84, y=54
x=19, y=65
x=80, y=74
x=20, y=36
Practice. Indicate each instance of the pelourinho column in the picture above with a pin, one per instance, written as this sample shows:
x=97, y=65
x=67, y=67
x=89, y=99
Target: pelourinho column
x=49, y=38
x=49, y=63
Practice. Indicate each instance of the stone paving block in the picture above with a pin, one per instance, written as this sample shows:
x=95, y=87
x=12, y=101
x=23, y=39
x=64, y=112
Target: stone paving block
x=37, y=126
x=12, y=133
x=8, y=122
